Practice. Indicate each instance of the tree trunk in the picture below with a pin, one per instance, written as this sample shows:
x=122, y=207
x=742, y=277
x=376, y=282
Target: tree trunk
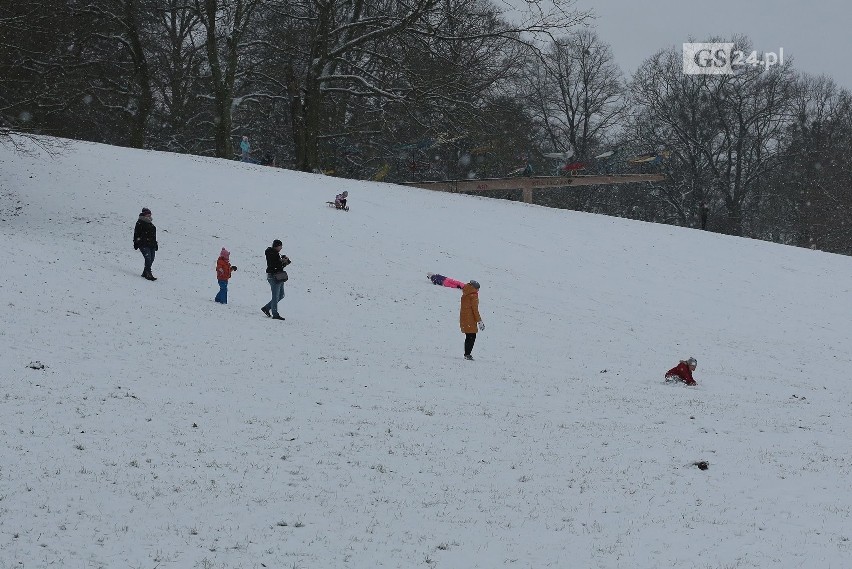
x=297, y=118
x=223, y=122
x=223, y=81
x=310, y=125
x=734, y=212
x=139, y=123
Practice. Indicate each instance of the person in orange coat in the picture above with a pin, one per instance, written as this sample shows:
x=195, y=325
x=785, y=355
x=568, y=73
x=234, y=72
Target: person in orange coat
x=683, y=371
x=223, y=274
x=469, y=318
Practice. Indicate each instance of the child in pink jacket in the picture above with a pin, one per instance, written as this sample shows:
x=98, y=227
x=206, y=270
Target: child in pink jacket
x=445, y=281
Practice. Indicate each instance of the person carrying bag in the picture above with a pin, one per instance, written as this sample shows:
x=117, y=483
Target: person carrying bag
x=276, y=276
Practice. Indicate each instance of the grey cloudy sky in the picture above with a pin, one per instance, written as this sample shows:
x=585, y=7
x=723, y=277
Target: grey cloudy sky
x=816, y=34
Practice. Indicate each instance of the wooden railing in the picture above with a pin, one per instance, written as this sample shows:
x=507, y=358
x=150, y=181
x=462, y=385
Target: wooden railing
x=528, y=184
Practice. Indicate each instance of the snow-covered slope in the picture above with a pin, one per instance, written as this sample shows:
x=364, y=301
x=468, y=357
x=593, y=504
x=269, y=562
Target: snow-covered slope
x=169, y=431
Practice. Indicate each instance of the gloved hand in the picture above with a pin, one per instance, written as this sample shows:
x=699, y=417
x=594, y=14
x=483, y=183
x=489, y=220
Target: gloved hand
x=481, y=325
x=233, y=267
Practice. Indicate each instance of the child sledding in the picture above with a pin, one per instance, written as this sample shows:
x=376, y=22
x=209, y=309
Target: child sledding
x=340, y=201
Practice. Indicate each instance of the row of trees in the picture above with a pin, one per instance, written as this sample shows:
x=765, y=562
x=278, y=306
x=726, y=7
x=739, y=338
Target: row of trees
x=307, y=78
x=764, y=153
x=401, y=90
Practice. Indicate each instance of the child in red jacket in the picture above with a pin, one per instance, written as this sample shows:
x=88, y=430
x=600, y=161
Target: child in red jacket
x=683, y=372
x=223, y=273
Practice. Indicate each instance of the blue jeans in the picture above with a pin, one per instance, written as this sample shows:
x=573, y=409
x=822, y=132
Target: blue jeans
x=148, y=254
x=222, y=295
x=277, y=294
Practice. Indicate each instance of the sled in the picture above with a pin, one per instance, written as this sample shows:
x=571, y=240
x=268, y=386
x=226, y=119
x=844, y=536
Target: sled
x=332, y=204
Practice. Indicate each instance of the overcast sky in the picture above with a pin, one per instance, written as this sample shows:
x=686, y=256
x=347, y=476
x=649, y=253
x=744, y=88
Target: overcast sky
x=815, y=33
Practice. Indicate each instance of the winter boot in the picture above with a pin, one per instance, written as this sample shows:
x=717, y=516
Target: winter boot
x=149, y=276
x=266, y=311
x=468, y=357
x=277, y=317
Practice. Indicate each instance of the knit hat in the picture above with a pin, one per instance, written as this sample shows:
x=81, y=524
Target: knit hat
x=146, y=212
x=474, y=284
x=225, y=254
x=276, y=243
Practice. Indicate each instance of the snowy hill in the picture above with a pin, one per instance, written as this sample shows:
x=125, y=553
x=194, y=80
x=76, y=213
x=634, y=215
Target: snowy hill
x=169, y=431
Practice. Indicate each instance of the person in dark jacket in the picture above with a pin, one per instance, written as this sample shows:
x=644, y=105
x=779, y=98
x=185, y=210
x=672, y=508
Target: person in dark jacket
x=275, y=276
x=145, y=241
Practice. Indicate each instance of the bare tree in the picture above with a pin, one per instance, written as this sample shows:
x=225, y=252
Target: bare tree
x=228, y=25
x=36, y=68
x=724, y=131
x=177, y=58
x=806, y=202
x=115, y=40
x=578, y=93
x=334, y=47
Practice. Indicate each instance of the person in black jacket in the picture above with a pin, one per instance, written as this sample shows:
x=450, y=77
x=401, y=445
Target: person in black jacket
x=275, y=276
x=145, y=241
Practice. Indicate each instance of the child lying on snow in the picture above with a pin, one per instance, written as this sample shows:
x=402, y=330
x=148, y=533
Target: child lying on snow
x=445, y=281
x=683, y=372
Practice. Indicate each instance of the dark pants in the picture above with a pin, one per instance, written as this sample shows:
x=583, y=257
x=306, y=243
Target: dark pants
x=222, y=296
x=469, y=339
x=148, y=254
